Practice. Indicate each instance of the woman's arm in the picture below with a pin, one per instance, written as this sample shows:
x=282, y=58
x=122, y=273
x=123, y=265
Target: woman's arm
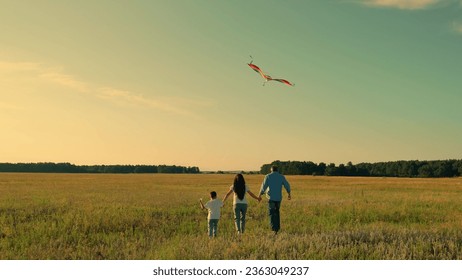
x=254, y=196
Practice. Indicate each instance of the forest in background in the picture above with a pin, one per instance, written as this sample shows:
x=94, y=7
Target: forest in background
x=50, y=167
x=410, y=168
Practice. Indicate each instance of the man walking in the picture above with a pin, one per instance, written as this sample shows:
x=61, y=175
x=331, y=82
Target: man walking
x=272, y=186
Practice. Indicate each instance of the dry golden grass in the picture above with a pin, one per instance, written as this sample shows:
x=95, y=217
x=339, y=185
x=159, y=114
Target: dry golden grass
x=100, y=216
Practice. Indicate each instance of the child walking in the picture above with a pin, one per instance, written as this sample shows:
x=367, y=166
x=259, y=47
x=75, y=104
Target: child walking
x=213, y=206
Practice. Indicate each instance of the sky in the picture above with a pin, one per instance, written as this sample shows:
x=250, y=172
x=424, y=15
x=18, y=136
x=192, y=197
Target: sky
x=167, y=82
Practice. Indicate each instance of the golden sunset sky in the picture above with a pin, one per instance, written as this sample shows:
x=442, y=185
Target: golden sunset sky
x=166, y=82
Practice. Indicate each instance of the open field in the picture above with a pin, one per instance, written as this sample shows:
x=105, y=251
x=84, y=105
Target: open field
x=90, y=216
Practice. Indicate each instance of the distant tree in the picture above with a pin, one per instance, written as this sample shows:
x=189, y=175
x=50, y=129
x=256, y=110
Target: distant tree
x=425, y=171
x=350, y=169
x=145, y=169
x=331, y=170
x=408, y=169
x=457, y=167
x=363, y=169
x=321, y=169
x=341, y=170
x=443, y=169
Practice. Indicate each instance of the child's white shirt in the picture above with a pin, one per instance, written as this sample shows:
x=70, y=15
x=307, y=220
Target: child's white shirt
x=214, y=207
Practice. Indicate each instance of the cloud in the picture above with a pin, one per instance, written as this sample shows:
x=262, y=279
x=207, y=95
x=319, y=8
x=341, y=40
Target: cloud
x=123, y=97
x=65, y=80
x=419, y=5
x=41, y=73
x=18, y=66
x=402, y=4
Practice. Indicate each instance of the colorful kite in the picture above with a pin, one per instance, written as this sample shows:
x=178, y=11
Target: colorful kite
x=267, y=77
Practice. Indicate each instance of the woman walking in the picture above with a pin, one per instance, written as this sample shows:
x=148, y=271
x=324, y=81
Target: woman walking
x=240, y=202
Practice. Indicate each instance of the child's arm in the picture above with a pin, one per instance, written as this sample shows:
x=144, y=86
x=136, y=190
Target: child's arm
x=202, y=204
x=226, y=196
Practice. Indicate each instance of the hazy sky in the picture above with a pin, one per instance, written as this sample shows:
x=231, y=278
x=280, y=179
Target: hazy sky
x=166, y=82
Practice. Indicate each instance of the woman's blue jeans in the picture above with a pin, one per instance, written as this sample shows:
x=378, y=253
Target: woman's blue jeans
x=240, y=209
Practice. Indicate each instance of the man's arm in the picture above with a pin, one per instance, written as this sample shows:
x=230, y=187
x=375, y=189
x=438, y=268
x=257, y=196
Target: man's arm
x=287, y=187
x=263, y=187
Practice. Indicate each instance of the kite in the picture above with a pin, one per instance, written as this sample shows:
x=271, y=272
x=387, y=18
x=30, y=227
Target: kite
x=267, y=77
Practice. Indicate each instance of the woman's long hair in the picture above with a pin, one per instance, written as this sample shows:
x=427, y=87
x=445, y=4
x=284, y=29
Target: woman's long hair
x=239, y=186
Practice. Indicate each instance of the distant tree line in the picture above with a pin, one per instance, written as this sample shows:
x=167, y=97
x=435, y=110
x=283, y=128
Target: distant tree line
x=50, y=167
x=411, y=168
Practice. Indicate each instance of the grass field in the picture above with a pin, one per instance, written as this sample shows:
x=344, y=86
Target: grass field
x=131, y=217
